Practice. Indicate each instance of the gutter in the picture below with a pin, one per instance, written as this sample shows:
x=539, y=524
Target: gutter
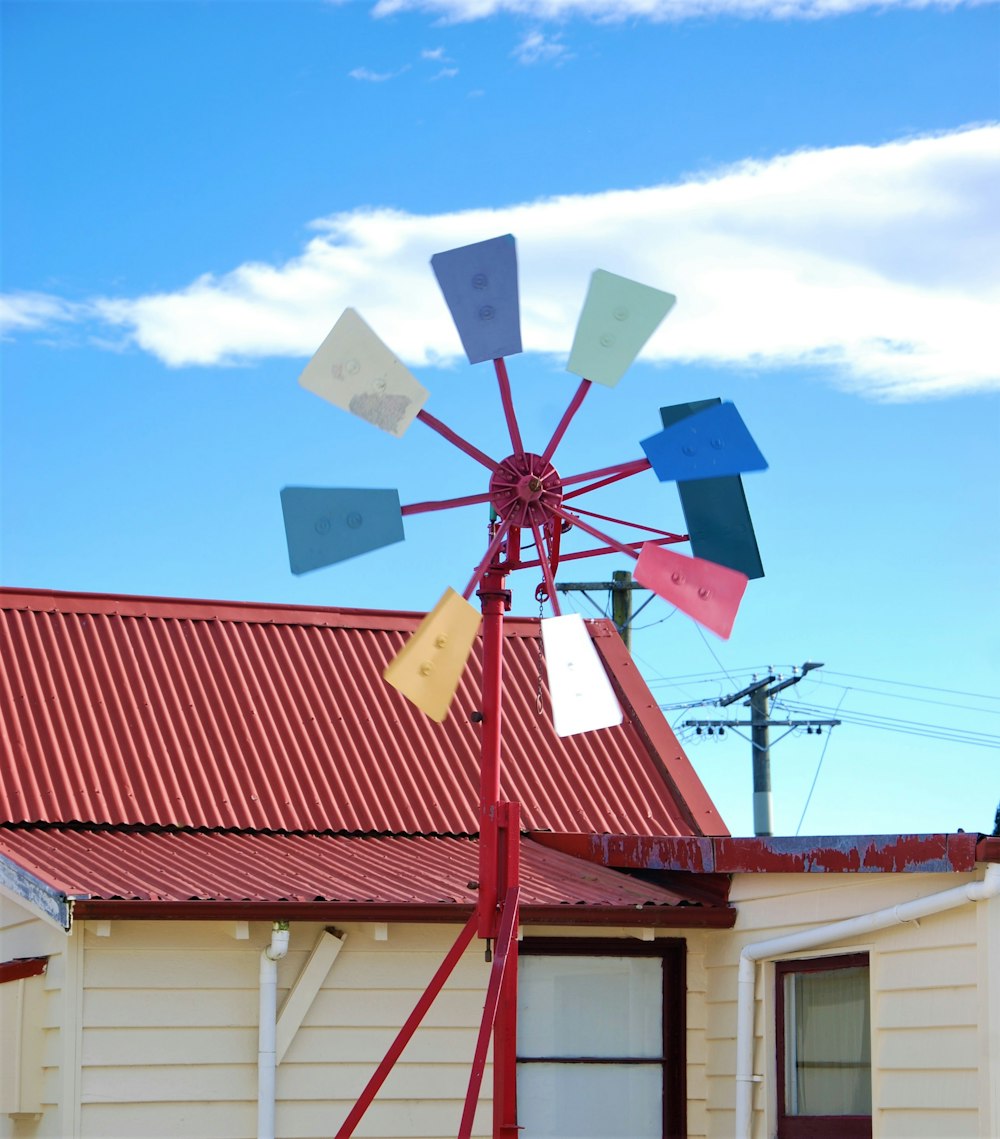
x=813, y=938
x=267, y=1061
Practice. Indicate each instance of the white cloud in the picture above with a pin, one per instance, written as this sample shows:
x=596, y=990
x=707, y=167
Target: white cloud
x=656, y=11
x=23, y=311
x=538, y=48
x=875, y=262
x=366, y=75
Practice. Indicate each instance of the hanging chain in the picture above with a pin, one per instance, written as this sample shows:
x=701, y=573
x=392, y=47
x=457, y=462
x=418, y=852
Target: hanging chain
x=541, y=656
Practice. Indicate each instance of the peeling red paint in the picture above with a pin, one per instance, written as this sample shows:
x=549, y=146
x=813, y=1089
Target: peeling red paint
x=857, y=854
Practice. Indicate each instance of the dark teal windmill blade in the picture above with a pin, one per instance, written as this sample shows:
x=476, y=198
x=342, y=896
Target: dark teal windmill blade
x=710, y=443
x=479, y=283
x=715, y=509
x=328, y=525
x=618, y=317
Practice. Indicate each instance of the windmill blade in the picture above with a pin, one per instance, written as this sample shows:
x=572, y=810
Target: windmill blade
x=427, y=669
x=479, y=283
x=711, y=443
x=324, y=526
x=709, y=593
x=617, y=319
x=354, y=370
x=582, y=697
x=716, y=515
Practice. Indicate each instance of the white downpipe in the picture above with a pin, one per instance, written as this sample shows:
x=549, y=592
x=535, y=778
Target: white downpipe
x=268, y=1019
x=813, y=938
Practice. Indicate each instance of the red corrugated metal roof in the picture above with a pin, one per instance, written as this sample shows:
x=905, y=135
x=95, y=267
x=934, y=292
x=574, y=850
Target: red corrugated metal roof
x=175, y=867
x=217, y=715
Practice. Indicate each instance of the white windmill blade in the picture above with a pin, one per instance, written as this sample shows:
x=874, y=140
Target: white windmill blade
x=582, y=697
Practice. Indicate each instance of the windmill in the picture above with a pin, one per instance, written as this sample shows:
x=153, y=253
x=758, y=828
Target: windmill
x=533, y=508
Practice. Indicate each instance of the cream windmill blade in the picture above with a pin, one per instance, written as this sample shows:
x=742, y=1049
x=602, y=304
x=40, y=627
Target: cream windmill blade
x=353, y=369
x=582, y=697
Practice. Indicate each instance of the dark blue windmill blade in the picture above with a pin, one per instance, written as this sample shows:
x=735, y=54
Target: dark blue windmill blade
x=479, y=283
x=328, y=525
x=711, y=443
x=716, y=515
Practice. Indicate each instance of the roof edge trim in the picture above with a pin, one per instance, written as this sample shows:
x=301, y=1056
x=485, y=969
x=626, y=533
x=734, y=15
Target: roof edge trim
x=44, y=899
x=858, y=854
x=652, y=916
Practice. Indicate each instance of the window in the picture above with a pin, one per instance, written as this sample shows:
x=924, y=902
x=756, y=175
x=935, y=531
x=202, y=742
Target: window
x=600, y=1039
x=824, y=1048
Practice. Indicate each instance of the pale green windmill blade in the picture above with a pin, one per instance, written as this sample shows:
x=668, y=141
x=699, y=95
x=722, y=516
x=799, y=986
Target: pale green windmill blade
x=617, y=319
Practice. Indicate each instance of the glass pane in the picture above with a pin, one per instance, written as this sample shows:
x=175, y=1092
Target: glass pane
x=828, y=1043
x=590, y=1006
x=590, y=1101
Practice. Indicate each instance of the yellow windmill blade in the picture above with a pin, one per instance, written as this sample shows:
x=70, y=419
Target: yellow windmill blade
x=427, y=669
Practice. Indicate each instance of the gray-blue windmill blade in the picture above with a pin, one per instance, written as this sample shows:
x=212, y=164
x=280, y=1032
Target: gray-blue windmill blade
x=479, y=283
x=716, y=514
x=326, y=525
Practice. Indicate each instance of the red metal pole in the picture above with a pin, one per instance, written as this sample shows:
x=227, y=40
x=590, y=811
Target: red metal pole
x=495, y=600
x=412, y=1024
x=502, y=958
x=505, y=1025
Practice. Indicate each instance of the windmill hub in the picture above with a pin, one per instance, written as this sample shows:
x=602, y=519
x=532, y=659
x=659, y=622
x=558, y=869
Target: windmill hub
x=525, y=489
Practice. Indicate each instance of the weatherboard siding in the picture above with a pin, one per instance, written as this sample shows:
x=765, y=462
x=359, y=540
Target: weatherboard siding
x=35, y=1028
x=931, y=1059
x=169, y=1041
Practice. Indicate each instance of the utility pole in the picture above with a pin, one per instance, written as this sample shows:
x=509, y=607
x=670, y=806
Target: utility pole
x=760, y=723
x=621, y=589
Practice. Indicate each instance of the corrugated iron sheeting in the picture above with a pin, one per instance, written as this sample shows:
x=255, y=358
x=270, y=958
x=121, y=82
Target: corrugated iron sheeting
x=185, y=866
x=217, y=715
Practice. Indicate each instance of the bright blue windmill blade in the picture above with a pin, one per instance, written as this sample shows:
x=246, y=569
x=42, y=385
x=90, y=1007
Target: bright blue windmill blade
x=479, y=283
x=716, y=515
x=324, y=526
x=711, y=443
x=618, y=317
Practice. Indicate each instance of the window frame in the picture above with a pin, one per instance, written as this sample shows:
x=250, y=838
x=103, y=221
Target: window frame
x=812, y=1126
x=673, y=1062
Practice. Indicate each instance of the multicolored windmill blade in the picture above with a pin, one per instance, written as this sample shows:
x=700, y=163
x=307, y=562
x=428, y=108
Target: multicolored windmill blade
x=353, y=369
x=324, y=526
x=711, y=443
x=715, y=510
x=582, y=697
x=708, y=592
x=479, y=283
x=618, y=317
x=429, y=666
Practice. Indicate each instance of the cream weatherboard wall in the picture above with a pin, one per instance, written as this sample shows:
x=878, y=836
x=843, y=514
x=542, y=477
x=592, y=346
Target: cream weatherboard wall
x=150, y=1028
x=935, y=1001
x=166, y=1033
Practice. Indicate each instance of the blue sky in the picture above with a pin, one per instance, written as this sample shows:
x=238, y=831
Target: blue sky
x=193, y=192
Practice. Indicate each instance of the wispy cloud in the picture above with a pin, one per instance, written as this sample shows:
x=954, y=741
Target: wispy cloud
x=536, y=47
x=26, y=310
x=656, y=11
x=366, y=75
x=875, y=263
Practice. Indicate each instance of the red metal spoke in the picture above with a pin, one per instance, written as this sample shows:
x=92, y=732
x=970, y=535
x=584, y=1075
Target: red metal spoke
x=444, y=971
x=620, y=547
x=618, y=471
x=571, y=410
x=444, y=504
x=550, y=583
x=491, y=552
x=453, y=437
x=508, y=405
x=634, y=525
